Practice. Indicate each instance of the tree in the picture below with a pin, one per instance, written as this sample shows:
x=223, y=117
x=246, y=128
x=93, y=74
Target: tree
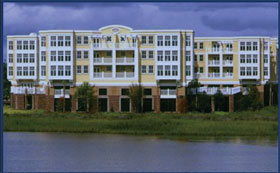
x=220, y=101
x=6, y=84
x=254, y=97
x=204, y=103
x=136, y=93
x=85, y=96
x=193, y=86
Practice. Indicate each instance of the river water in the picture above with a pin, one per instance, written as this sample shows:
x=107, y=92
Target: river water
x=25, y=151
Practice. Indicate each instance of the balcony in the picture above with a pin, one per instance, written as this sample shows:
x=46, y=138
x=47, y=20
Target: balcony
x=168, y=93
x=228, y=75
x=214, y=62
x=227, y=62
x=125, y=45
x=27, y=90
x=102, y=75
x=107, y=45
x=213, y=75
x=219, y=50
x=58, y=93
x=125, y=60
x=102, y=60
x=125, y=74
x=214, y=90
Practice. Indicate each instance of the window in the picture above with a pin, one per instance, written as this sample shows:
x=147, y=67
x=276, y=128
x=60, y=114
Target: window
x=67, y=55
x=265, y=71
x=144, y=69
x=19, y=58
x=25, y=71
x=265, y=45
x=60, y=56
x=10, y=45
x=85, y=54
x=195, y=57
x=167, y=55
x=167, y=70
x=249, y=71
x=160, y=70
x=143, y=54
x=79, y=69
x=32, y=45
x=25, y=58
x=242, y=71
x=85, y=69
x=151, y=39
x=102, y=91
x=151, y=69
x=151, y=54
x=174, y=40
x=67, y=70
x=242, y=58
x=188, y=55
x=249, y=59
x=248, y=45
x=265, y=58
x=19, y=45
x=125, y=91
x=108, y=54
x=10, y=58
x=255, y=45
x=255, y=71
x=188, y=70
x=122, y=53
x=188, y=41
x=85, y=39
x=25, y=45
x=200, y=69
x=160, y=40
x=31, y=71
x=53, y=55
x=147, y=91
x=160, y=55
x=60, y=41
x=79, y=54
x=67, y=41
x=175, y=55
x=19, y=71
x=108, y=38
x=60, y=70
x=201, y=45
x=200, y=57
x=43, y=70
x=43, y=41
x=43, y=56
x=32, y=58
x=174, y=70
x=109, y=68
x=195, y=45
x=255, y=58
x=167, y=40
x=53, y=40
x=79, y=39
x=143, y=39
x=10, y=71
x=242, y=46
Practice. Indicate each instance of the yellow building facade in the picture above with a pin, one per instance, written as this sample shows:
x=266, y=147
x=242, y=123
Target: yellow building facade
x=112, y=58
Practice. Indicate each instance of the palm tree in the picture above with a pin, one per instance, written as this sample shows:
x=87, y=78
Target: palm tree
x=85, y=94
x=136, y=93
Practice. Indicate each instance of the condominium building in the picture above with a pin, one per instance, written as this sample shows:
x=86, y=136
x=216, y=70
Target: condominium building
x=114, y=57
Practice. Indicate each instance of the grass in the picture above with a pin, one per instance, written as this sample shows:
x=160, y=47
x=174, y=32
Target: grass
x=263, y=123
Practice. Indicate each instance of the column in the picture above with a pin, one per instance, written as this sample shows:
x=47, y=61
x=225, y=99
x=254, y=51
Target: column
x=221, y=61
x=114, y=62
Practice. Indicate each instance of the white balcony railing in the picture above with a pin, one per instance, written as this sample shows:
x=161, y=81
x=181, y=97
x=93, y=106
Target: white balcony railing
x=214, y=90
x=102, y=75
x=218, y=50
x=125, y=74
x=125, y=45
x=227, y=62
x=125, y=60
x=168, y=93
x=102, y=60
x=214, y=62
x=213, y=75
x=59, y=93
x=227, y=75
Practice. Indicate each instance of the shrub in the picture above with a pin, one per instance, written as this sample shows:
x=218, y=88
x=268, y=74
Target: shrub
x=136, y=93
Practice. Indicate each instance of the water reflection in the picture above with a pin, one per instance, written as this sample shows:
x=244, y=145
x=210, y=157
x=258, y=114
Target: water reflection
x=99, y=152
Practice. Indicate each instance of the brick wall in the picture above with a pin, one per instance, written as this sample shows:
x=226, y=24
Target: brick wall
x=114, y=102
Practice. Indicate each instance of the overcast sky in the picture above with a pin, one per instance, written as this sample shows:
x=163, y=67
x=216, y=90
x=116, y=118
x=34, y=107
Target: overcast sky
x=206, y=19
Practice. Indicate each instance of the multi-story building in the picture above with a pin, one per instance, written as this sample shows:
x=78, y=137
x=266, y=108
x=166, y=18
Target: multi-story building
x=115, y=57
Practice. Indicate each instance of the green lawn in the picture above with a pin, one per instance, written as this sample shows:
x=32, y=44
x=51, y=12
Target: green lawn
x=263, y=123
